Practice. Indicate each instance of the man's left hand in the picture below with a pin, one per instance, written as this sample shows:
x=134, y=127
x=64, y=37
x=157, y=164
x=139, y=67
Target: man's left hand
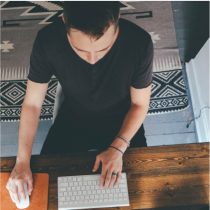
x=112, y=162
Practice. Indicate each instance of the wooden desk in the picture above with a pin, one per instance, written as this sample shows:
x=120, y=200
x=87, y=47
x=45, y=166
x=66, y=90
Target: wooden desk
x=160, y=176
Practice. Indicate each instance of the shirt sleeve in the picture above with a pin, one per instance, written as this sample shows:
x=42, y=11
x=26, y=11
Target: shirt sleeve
x=142, y=76
x=40, y=70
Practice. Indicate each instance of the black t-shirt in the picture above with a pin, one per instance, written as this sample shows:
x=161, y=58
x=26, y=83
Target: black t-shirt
x=100, y=90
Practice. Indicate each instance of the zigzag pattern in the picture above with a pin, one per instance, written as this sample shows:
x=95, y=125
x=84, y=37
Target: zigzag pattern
x=52, y=10
x=34, y=8
x=168, y=92
x=12, y=96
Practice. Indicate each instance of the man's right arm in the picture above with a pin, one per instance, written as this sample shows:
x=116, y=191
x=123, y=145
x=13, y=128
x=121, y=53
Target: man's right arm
x=31, y=108
x=29, y=120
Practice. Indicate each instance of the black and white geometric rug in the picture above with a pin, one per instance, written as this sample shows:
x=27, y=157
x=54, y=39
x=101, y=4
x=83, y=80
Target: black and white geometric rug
x=168, y=95
x=168, y=92
x=12, y=96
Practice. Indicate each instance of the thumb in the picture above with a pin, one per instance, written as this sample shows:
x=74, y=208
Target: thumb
x=97, y=163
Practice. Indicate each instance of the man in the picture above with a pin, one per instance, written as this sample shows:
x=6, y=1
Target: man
x=104, y=65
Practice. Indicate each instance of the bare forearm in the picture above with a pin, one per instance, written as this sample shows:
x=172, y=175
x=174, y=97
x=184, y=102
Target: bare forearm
x=131, y=124
x=27, y=131
x=133, y=121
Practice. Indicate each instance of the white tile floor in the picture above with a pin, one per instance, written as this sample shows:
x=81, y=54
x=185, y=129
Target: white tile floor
x=170, y=128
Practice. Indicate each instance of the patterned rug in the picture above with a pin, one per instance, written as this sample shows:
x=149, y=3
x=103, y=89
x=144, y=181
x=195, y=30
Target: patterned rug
x=20, y=21
x=168, y=95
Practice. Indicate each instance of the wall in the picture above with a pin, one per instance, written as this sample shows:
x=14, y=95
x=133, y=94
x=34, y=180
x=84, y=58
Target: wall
x=198, y=71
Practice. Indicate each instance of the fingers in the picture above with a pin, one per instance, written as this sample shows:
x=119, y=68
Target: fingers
x=11, y=195
x=113, y=180
x=13, y=191
x=15, y=195
x=20, y=182
x=109, y=165
x=108, y=178
x=103, y=176
x=30, y=186
x=10, y=192
x=97, y=163
x=16, y=189
x=21, y=191
x=119, y=176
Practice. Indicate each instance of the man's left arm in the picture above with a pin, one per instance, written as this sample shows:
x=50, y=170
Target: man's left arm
x=111, y=158
x=140, y=99
x=140, y=91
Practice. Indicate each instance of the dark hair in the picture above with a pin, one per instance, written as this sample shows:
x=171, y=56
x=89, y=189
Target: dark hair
x=91, y=17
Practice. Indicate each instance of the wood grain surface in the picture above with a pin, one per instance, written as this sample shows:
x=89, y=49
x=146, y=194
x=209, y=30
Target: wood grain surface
x=159, y=177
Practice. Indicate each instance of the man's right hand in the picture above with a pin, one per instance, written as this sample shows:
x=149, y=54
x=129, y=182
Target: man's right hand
x=21, y=174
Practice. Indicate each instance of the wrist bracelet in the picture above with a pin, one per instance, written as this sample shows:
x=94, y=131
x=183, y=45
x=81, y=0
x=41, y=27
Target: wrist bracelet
x=117, y=149
x=125, y=140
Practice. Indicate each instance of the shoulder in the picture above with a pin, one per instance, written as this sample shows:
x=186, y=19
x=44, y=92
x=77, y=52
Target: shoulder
x=136, y=40
x=51, y=33
x=131, y=30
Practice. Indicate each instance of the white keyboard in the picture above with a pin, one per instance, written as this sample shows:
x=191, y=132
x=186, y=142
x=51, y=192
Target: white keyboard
x=84, y=191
